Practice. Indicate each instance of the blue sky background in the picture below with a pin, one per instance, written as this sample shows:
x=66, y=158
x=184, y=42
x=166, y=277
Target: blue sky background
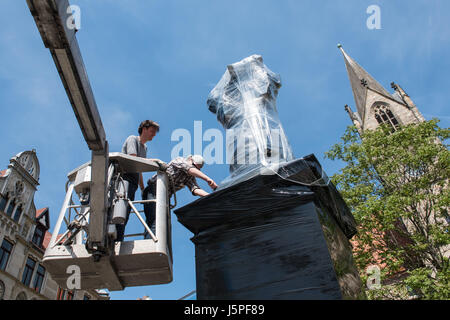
x=154, y=59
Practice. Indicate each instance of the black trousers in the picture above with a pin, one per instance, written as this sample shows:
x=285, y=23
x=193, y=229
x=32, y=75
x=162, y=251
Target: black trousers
x=150, y=207
x=131, y=192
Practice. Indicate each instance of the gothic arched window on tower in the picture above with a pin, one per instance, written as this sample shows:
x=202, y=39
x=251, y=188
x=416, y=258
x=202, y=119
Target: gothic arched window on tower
x=384, y=116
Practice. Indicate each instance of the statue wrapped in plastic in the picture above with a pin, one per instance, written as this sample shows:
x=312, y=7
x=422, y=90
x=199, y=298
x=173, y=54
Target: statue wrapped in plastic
x=277, y=228
x=244, y=101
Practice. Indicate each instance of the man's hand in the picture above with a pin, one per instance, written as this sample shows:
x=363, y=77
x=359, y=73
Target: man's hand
x=212, y=184
x=161, y=164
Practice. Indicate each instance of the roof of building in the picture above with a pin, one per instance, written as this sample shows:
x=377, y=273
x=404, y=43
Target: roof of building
x=2, y=173
x=48, y=237
x=40, y=211
x=46, y=241
x=43, y=217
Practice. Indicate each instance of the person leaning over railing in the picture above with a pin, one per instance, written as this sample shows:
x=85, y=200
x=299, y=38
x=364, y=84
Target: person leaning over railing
x=181, y=172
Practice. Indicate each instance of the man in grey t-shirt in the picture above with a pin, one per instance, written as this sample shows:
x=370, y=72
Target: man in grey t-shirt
x=135, y=146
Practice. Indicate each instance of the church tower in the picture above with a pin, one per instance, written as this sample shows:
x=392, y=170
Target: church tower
x=374, y=104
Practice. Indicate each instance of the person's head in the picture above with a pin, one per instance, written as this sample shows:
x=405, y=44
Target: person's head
x=197, y=161
x=148, y=129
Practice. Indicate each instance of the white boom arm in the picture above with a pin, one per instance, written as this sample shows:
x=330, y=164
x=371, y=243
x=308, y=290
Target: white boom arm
x=53, y=19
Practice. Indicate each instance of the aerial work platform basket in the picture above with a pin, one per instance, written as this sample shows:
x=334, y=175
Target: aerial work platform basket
x=74, y=265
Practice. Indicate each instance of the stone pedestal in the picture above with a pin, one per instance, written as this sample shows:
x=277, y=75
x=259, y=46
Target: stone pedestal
x=279, y=236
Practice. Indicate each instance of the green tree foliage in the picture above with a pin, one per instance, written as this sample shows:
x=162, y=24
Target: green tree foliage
x=396, y=184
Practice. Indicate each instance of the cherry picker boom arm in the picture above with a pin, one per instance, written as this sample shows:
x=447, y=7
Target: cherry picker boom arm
x=99, y=184
x=54, y=22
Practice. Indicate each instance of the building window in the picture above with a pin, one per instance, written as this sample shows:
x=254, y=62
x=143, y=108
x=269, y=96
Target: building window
x=3, y=202
x=38, y=236
x=64, y=294
x=39, y=278
x=384, y=116
x=10, y=208
x=5, y=252
x=28, y=271
x=18, y=213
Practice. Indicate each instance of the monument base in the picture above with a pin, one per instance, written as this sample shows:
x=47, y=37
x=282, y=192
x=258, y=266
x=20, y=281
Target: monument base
x=280, y=236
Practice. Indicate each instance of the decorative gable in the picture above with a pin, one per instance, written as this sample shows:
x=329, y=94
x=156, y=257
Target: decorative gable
x=43, y=217
x=19, y=182
x=27, y=163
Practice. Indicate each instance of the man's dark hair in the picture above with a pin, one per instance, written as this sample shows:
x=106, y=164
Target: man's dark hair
x=148, y=124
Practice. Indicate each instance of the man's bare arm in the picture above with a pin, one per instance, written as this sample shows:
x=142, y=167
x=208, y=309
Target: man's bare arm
x=197, y=173
x=200, y=192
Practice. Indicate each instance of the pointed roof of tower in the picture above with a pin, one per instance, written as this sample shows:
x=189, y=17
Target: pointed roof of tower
x=360, y=81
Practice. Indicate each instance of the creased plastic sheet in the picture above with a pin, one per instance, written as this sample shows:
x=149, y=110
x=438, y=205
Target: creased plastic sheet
x=274, y=237
x=297, y=181
x=244, y=101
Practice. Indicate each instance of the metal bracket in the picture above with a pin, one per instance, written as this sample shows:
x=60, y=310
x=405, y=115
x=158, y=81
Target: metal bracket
x=106, y=268
x=99, y=199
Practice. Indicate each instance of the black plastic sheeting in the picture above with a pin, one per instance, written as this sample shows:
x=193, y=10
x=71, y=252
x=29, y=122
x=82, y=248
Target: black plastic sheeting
x=296, y=182
x=279, y=236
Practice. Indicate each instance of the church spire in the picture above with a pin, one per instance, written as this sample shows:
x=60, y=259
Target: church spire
x=361, y=81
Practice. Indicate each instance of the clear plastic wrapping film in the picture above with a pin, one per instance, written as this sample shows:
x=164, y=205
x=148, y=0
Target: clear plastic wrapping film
x=244, y=101
x=297, y=181
x=276, y=228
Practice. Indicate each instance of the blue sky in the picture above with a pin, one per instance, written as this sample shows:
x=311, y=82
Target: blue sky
x=159, y=60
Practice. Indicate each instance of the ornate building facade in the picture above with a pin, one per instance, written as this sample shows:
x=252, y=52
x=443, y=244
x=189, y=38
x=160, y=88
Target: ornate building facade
x=24, y=237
